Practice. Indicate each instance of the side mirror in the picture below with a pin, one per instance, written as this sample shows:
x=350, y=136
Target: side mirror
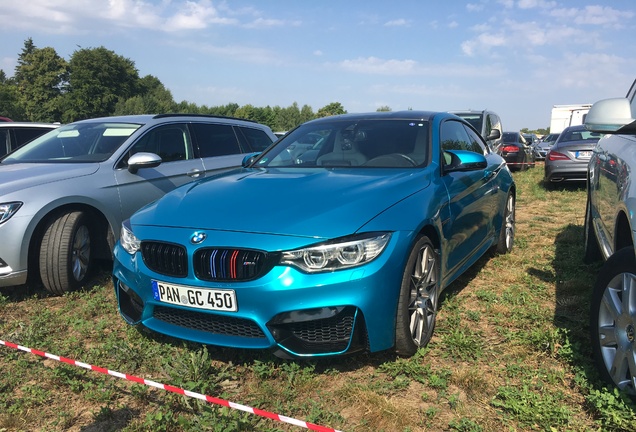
x=249, y=159
x=143, y=160
x=494, y=134
x=462, y=160
x=611, y=116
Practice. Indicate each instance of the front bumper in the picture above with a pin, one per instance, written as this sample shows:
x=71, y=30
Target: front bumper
x=14, y=246
x=285, y=310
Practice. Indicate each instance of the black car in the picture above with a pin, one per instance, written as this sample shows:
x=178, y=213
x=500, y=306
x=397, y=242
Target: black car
x=517, y=153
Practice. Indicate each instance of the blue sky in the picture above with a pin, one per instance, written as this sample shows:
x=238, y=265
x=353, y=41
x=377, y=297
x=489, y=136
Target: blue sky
x=515, y=57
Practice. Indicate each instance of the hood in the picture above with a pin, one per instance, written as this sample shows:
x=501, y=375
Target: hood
x=20, y=176
x=322, y=203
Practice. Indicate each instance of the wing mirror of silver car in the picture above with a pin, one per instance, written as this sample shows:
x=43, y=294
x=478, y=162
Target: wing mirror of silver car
x=143, y=160
x=611, y=116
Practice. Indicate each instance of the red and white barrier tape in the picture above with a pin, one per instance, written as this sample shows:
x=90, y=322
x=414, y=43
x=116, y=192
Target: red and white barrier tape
x=172, y=389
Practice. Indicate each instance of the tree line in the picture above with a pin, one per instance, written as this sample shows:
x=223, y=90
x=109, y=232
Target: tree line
x=97, y=82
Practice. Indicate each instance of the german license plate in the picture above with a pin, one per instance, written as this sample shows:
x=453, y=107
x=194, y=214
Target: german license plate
x=583, y=154
x=211, y=299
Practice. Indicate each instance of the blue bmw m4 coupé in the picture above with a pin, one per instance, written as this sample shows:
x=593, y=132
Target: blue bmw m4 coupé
x=337, y=238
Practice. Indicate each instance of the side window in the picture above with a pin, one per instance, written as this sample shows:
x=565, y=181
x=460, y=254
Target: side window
x=171, y=142
x=215, y=139
x=453, y=136
x=489, y=125
x=4, y=142
x=476, y=143
x=255, y=140
x=24, y=135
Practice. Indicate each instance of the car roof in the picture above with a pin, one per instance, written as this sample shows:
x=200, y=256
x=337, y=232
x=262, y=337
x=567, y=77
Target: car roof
x=158, y=118
x=576, y=127
x=28, y=124
x=378, y=115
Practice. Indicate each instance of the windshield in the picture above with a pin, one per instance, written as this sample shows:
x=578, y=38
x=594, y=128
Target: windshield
x=387, y=143
x=473, y=119
x=81, y=142
x=579, y=135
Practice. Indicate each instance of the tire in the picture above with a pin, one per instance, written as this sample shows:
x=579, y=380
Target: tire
x=507, y=232
x=592, y=251
x=612, y=326
x=65, y=253
x=419, y=295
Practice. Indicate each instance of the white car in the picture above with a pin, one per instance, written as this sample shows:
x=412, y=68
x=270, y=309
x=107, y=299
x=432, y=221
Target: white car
x=610, y=221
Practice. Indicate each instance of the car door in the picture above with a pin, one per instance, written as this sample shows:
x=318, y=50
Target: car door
x=179, y=166
x=472, y=198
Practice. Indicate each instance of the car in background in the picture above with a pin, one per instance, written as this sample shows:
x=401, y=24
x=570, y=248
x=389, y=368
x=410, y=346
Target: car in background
x=14, y=134
x=5, y=119
x=542, y=147
x=531, y=139
x=610, y=235
x=517, y=153
x=487, y=123
x=346, y=250
x=64, y=195
x=568, y=158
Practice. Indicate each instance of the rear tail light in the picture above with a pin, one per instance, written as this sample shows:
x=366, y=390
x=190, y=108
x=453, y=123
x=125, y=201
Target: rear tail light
x=510, y=149
x=554, y=155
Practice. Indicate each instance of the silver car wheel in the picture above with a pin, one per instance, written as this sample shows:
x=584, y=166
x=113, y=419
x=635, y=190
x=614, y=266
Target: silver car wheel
x=510, y=222
x=617, y=330
x=424, y=293
x=81, y=253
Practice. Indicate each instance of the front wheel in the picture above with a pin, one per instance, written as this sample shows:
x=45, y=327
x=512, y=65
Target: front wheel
x=65, y=253
x=613, y=320
x=417, y=303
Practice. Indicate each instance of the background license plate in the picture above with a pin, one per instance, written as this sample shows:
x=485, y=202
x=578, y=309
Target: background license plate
x=212, y=299
x=583, y=154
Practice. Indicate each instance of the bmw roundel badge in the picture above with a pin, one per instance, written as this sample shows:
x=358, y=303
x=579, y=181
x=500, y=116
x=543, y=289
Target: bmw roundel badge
x=198, y=237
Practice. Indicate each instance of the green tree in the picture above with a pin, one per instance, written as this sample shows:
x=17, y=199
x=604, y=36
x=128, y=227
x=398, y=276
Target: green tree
x=334, y=108
x=384, y=108
x=40, y=76
x=153, y=98
x=9, y=101
x=306, y=114
x=98, y=80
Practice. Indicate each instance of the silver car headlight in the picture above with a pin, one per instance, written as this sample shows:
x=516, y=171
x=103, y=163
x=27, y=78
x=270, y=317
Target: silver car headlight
x=346, y=253
x=8, y=209
x=127, y=239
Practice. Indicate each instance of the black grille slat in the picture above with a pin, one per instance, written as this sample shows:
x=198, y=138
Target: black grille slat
x=206, y=322
x=165, y=258
x=226, y=264
x=328, y=330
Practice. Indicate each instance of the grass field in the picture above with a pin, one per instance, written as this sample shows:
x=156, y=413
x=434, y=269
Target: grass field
x=510, y=352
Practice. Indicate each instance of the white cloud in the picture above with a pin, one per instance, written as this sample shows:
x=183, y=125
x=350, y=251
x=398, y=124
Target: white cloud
x=374, y=65
x=531, y=4
x=474, y=7
x=594, y=15
x=397, y=23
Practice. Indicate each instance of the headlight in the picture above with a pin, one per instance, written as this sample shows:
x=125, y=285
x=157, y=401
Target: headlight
x=346, y=253
x=7, y=210
x=127, y=239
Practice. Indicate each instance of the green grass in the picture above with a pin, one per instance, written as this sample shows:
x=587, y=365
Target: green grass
x=510, y=352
